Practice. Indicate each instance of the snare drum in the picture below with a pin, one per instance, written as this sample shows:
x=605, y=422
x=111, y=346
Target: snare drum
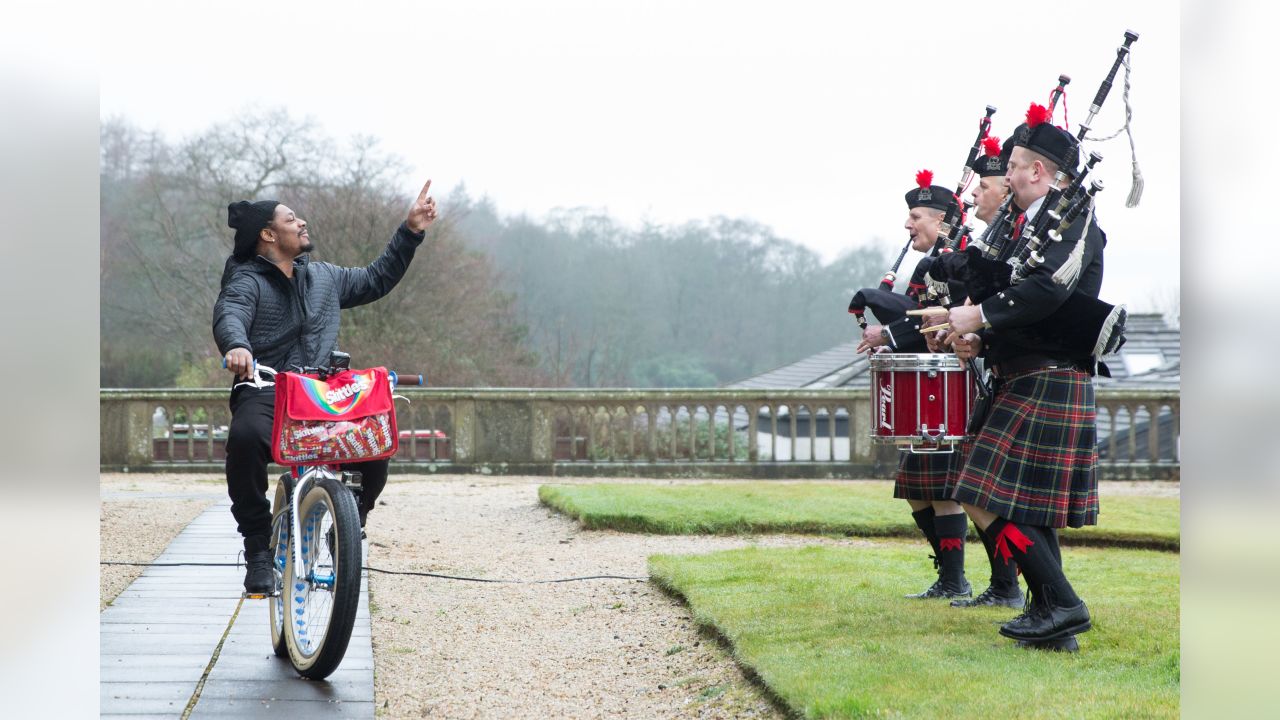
x=921, y=401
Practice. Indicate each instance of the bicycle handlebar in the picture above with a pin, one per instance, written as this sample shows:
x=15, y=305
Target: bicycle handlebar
x=397, y=378
x=258, y=381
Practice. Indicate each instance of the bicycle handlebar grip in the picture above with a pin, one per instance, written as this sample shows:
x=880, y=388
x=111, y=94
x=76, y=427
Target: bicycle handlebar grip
x=408, y=379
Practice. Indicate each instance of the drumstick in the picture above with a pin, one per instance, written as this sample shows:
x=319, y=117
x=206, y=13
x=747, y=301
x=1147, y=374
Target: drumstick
x=936, y=310
x=943, y=326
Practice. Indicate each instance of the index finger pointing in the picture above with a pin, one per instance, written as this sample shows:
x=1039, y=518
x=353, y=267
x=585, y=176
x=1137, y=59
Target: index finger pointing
x=425, y=189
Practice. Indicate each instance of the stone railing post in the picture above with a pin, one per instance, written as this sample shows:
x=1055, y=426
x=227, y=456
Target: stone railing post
x=542, y=428
x=464, y=432
x=503, y=430
x=125, y=432
x=861, y=449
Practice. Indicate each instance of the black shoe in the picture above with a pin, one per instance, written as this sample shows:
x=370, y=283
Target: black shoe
x=259, y=577
x=994, y=597
x=930, y=592
x=1048, y=622
x=1067, y=644
x=940, y=589
x=1030, y=606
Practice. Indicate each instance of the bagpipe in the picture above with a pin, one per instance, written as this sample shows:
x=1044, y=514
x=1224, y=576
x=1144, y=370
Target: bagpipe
x=1084, y=325
x=889, y=306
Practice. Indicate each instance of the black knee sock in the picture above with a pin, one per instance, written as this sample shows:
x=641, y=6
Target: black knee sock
x=924, y=521
x=951, y=530
x=1030, y=547
x=1051, y=534
x=1004, y=576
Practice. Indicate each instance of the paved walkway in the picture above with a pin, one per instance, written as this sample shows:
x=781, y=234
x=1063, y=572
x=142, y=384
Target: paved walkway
x=169, y=643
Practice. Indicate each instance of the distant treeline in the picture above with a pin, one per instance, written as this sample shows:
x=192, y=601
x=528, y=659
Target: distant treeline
x=572, y=299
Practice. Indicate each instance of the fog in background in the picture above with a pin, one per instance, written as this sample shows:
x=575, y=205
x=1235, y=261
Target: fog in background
x=572, y=299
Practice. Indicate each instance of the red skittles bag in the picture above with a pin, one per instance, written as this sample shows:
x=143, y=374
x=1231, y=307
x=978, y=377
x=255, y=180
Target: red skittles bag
x=349, y=417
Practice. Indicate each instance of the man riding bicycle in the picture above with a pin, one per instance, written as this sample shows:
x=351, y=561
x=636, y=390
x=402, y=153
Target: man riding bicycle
x=278, y=308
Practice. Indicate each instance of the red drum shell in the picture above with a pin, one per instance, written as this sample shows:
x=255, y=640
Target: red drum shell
x=920, y=399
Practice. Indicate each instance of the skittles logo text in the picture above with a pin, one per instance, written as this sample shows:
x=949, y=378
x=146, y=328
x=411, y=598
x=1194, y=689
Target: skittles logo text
x=339, y=400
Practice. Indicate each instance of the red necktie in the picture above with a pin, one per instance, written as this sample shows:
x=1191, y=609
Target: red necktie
x=1017, y=226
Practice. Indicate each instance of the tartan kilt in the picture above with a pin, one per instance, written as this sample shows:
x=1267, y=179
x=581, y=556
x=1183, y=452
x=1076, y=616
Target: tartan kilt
x=927, y=476
x=1035, y=460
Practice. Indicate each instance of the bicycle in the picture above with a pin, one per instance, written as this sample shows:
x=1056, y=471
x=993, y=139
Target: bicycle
x=316, y=550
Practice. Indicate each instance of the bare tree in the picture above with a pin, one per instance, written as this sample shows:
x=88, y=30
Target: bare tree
x=165, y=241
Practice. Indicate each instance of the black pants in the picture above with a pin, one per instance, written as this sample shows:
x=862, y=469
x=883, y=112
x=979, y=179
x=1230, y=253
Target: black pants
x=249, y=451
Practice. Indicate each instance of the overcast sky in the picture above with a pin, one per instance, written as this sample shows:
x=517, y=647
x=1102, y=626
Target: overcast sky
x=809, y=117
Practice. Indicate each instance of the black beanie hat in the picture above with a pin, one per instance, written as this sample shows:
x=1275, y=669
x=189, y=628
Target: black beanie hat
x=249, y=219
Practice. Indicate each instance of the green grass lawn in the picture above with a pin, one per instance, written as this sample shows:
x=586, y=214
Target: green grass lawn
x=865, y=508
x=828, y=632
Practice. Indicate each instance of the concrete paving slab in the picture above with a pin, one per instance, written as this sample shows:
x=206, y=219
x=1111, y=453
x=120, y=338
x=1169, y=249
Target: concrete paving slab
x=122, y=645
x=145, y=707
x=106, y=629
x=178, y=691
x=210, y=594
x=266, y=666
x=165, y=673
x=276, y=709
x=194, y=579
x=326, y=691
x=179, y=603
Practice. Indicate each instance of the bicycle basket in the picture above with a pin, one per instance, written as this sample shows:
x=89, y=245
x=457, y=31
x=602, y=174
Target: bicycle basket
x=349, y=417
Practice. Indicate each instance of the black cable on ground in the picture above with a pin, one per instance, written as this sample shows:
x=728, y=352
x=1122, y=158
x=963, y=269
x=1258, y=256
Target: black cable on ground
x=401, y=572
x=522, y=582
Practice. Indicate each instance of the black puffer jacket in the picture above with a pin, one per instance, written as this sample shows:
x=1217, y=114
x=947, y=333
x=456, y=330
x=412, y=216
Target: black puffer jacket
x=286, y=322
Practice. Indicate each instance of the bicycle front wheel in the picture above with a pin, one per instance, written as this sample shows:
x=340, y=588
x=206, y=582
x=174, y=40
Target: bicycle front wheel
x=324, y=596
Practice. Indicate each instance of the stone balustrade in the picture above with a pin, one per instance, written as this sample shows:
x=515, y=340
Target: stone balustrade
x=639, y=433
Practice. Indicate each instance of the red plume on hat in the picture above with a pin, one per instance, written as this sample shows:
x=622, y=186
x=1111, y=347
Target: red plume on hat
x=924, y=178
x=1036, y=115
x=990, y=146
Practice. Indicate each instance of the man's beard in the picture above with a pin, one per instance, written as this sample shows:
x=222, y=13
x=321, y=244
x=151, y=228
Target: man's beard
x=308, y=246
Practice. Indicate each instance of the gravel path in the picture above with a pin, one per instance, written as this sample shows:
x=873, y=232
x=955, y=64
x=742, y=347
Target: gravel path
x=594, y=648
